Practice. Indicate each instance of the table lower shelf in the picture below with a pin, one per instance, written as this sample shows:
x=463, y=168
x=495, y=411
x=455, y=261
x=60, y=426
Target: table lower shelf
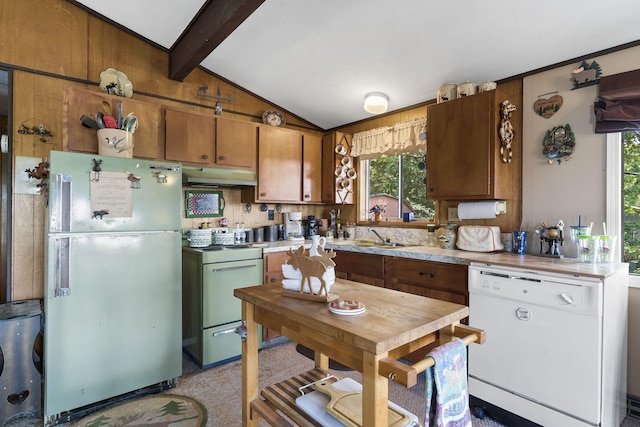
x=282, y=395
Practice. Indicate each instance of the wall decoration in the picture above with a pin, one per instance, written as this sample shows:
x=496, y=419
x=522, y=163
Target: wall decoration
x=586, y=75
x=506, y=130
x=547, y=107
x=199, y=204
x=558, y=143
x=31, y=175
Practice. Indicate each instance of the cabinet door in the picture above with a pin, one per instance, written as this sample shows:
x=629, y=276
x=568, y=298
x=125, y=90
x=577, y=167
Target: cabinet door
x=279, y=165
x=311, y=168
x=460, y=147
x=236, y=143
x=78, y=102
x=360, y=267
x=189, y=137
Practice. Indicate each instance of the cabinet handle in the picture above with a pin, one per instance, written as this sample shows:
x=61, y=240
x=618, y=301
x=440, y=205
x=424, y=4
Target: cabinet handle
x=422, y=273
x=306, y=196
x=263, y=194
x=273, y=279
x=221, y=158
x=205, y=157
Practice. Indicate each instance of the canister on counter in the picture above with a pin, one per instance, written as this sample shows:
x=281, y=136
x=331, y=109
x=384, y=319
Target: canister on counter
x=270, y=233
x=248, y=235
x=258, y=234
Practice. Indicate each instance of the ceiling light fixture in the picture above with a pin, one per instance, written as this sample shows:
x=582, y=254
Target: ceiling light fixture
x=376, y=102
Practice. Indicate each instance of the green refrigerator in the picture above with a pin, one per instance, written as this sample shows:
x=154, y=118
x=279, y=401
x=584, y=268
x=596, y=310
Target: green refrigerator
x=112, y=304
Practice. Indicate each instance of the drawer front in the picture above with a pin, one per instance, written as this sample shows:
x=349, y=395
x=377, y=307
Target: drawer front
x=219, y=305
x=433, y=293
x=360, y=264
x=427, y=273
x=221, y=344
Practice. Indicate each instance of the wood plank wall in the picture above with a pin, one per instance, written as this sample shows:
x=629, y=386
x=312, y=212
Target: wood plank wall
x=51, y=44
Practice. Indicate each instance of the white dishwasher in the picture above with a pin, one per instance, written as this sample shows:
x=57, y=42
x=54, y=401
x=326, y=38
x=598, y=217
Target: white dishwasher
x=543, y=357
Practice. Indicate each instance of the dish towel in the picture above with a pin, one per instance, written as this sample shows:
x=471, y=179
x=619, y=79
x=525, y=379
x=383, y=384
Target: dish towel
x=449, y=374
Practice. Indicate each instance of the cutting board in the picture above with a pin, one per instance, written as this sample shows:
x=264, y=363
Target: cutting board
x=346, y=406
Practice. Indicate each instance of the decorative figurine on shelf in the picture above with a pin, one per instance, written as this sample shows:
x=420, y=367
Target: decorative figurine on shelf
x=553, y=237
x=95, y=170
x=506, y=130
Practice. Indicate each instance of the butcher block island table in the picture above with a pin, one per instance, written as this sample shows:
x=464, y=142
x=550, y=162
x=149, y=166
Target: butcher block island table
x=393, y=325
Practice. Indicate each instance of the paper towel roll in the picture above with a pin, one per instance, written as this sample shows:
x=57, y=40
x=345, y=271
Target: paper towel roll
x=478, y=210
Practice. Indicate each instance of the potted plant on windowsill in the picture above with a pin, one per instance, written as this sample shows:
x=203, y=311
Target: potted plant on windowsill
x=377, y=210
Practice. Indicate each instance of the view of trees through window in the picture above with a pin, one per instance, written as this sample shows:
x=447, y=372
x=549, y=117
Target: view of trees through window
x=399, y=179
x=631, y=200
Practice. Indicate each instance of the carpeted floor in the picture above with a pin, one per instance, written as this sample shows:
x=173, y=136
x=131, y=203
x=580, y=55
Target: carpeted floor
x=219, y=389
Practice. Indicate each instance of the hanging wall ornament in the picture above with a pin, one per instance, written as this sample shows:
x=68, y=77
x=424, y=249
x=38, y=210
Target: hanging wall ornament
x=558, y=143
x=547, y=107
x=506, y=130
x=586, y=75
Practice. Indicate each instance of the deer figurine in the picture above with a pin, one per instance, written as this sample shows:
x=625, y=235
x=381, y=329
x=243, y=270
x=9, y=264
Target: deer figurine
x=311, y=267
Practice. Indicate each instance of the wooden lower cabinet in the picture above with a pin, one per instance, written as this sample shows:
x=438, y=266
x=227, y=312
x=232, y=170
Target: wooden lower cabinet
x=360, y=267
x=447, y=282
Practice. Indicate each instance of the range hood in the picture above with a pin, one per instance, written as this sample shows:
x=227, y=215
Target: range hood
x=218, y=177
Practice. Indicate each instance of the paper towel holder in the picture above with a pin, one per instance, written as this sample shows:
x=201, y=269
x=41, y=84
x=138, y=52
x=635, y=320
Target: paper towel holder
x=500, y=206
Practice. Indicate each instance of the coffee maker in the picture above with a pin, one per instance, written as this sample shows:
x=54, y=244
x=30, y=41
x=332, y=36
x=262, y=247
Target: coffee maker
x=293, y=226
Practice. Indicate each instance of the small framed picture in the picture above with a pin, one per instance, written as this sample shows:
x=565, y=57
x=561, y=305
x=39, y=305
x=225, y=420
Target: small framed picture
x=202, y=203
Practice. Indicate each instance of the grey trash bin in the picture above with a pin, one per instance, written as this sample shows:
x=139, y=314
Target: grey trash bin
x=20, y=363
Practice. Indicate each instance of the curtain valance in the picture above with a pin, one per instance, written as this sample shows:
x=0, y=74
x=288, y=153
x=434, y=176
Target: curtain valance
x=400, y=138
x=618, y=106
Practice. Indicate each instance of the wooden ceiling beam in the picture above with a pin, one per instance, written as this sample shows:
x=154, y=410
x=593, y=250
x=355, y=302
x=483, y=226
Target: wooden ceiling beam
x=215, y=22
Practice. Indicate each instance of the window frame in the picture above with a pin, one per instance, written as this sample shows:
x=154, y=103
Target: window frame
x=363, y=202
x=614, y=196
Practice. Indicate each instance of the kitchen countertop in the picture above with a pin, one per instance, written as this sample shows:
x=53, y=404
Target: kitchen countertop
x=426, y=253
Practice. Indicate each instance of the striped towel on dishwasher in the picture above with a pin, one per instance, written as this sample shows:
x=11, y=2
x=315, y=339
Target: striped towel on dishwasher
x=449, y=374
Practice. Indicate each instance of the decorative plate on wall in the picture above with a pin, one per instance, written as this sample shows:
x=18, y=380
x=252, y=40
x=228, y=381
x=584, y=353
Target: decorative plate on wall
x=273, y=118
x=200, y=204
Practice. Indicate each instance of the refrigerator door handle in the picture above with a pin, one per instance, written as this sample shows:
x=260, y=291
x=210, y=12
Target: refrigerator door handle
x=61, y=209
x=62, y=267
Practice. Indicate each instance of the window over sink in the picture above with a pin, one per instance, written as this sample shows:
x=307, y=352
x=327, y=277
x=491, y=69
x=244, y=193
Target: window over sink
x=394, y=185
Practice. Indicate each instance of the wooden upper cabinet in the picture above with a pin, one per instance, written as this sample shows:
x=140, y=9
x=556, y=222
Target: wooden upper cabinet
x=280, y=165
x=236, y=143
x=331, y=192
x=311, y=168
x=78, y=102
x=189, y=137
x=463, y=149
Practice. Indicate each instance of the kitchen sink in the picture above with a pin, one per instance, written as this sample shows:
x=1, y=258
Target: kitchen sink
x=373, y=244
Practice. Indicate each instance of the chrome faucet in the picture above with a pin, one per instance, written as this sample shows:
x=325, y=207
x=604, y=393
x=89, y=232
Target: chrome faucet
x=384, y=241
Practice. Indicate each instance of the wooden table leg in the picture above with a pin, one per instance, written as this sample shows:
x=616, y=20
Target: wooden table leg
x=322, y=360
x=375, y=392
x=249, y=366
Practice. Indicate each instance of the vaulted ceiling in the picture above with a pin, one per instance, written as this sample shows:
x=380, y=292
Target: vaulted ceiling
x=318, y=58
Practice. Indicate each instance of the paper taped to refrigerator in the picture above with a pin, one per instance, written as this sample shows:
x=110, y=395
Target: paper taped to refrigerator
x=112, y=193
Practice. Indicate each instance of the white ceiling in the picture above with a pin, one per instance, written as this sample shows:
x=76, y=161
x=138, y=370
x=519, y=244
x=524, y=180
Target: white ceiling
x=318, y=58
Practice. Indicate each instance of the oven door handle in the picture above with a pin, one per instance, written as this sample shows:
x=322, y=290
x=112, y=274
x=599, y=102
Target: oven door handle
x=240, y=330
x=239, y=267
